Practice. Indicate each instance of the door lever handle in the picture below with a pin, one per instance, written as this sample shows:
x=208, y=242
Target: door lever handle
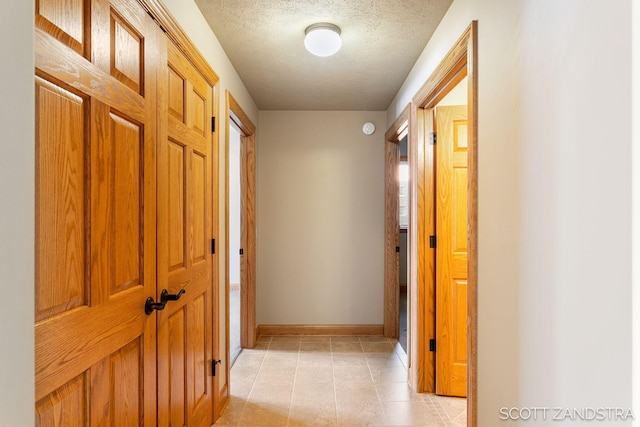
x=166, y=296
x=151, y=305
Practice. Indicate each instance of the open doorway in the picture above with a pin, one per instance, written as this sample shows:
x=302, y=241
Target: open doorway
x=403, y=222
x=235, y=197
x=240, y=245
x=419, y=123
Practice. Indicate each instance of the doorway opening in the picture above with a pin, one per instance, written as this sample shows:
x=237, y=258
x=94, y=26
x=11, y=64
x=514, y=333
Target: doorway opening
x=417, y=122
x=240, y=231
x=403, y=222
x=235, y=196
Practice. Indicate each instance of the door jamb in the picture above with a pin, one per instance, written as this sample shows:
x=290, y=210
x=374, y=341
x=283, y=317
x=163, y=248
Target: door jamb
x=392, y=225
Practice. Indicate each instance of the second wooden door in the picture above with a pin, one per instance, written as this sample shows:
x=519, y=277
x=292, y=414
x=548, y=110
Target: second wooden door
x=185, y=186
x=451, y=250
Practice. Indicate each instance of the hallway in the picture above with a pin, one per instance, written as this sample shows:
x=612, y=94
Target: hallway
x=331, y=381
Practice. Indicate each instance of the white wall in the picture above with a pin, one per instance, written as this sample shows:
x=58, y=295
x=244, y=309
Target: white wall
x=320, y=218
x=554, y=309
x=16, y=214
x=453, y=24
x=635, y=250
x=193, y=23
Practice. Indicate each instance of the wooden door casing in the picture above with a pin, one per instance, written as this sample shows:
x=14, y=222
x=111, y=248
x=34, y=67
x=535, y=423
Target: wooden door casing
x=451, y=250
x=95, y=213
x=185, y=191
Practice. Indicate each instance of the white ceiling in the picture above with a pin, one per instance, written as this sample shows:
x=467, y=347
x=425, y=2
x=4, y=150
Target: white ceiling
x=381, y=40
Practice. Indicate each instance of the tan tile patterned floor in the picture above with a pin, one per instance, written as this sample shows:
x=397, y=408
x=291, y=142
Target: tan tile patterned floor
x=331, y=381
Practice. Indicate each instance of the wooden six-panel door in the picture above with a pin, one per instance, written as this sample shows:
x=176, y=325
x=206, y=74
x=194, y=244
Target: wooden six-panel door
x=95, y=120
x=451, y=250
x=185, y=185
x=123, y=127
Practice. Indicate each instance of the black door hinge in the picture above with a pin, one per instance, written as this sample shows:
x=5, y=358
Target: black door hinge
x=432, y=344
x=433, y=138
x=213, y=366
x=213, y=124
x=397, y=248
x=241, y=251
x=213, y=246
x=432, y=242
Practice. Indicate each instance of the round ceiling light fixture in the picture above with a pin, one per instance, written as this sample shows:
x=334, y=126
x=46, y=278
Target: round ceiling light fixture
x=322, y=39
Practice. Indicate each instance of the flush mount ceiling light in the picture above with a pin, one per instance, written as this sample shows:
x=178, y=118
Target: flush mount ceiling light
x=322, y=39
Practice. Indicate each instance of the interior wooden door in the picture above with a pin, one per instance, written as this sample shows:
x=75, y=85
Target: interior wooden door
x=451, y=250
x=95, y=85
x=185, y=185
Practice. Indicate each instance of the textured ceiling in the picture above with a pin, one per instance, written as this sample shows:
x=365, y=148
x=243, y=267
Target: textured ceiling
x=381, y=40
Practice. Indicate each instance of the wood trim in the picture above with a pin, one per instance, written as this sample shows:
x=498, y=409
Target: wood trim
x=472, y=293
x=422, y=283
x=392, y=237
x=175, y=33
x=440, y=81
x=221, y=394
x=248, y=285
x=400, y=126
x=225, y=399
x=239, y=117
x=398, y=130
x=427, y=272
x=332, y=330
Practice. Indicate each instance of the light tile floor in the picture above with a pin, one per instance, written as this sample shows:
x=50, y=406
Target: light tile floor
x=331, y=381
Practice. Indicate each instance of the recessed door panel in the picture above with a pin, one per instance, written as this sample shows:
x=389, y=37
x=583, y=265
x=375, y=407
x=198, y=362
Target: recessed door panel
x=65, y=406
x=176, y=205
x=66, y=20
x=126, y=53
x=199, y=209
x=60, y=221
x=177, y=358
x=128, y=152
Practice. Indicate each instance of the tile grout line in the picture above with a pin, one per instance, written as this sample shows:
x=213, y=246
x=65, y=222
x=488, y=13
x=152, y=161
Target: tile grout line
x=293, y=386
x=333, y=376
x=246, y=402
